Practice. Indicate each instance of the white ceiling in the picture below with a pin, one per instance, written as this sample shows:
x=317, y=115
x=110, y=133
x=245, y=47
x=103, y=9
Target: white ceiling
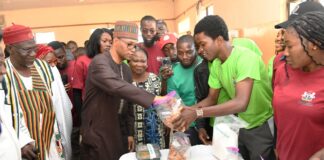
x=27, y=4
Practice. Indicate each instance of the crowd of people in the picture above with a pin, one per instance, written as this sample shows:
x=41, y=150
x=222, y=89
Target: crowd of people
x=60, y=101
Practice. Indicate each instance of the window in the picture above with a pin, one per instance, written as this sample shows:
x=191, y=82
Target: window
x=44, y=37
x=209, y=10
x=184, y=26
x=140, y=38
x=292, y=6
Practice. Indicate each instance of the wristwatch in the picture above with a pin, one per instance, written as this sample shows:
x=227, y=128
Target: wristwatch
x=200, y=113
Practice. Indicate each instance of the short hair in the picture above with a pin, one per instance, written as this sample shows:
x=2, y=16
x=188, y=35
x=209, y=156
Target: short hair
x=85, y=43
x=71, y=42
x=161, y=21
x=82, y=50
x=140, y=49
x=186, y=39
x=63, y=44
x=56, y=45
x=213, y=26
x=93, y=46
x=147, y=18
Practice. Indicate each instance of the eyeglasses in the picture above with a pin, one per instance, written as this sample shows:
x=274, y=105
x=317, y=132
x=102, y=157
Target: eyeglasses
x=26, y=51
x=146, y=31
x=130, y=45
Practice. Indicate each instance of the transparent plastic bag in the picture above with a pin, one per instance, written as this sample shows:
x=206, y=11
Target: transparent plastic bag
x=225, y=137
x=169, y=108
x=233, y=122
x=179, y=146
x=233, y=154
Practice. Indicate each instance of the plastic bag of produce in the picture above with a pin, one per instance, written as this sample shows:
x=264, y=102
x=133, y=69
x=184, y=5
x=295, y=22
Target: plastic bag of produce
x=179, y=146
x=169, y=108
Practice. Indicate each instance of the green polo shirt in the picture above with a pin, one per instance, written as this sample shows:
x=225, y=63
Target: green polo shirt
x=241, y=64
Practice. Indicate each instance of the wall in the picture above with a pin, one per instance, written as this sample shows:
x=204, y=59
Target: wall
x=187, y=8
x=253, y=19
x=75, y=22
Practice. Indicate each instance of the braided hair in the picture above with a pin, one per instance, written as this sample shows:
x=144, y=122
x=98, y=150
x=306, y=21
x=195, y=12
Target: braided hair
x=310, y=26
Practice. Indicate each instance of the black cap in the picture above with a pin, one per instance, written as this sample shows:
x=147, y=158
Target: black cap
x=301, y=9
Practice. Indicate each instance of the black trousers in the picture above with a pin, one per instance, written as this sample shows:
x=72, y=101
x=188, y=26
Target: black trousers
x=256, y=143
x=193, y=136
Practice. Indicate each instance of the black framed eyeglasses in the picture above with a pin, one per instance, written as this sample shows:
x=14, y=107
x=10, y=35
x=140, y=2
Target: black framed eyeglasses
x=130, y=45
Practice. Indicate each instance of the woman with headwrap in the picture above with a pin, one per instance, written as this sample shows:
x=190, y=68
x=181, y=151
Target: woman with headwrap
x=63, y=106
x=298, y=99
x=46, y=53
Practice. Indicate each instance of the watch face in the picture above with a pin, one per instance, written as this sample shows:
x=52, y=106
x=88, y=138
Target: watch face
x=200, y=113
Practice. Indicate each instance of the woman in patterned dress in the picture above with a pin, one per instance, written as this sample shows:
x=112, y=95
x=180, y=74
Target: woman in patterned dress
x=148, y=127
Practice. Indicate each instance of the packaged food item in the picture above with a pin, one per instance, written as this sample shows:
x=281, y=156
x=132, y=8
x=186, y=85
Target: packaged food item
x=225, y=137
x=148, y=152
x=179, y=147
x=169, y=108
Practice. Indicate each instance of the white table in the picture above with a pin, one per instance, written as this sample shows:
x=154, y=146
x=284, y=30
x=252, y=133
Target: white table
x=198, y=152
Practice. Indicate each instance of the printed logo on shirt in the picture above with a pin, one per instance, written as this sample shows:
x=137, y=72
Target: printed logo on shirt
x=307, y=98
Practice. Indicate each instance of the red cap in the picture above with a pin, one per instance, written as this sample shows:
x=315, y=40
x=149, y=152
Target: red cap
x=16, y=33
x=43, y=50
x=167, y=38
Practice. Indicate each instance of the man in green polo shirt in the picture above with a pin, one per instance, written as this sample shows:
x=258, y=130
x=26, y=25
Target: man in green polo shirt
x=182, y=80
x=204, y=125
x=242, y=74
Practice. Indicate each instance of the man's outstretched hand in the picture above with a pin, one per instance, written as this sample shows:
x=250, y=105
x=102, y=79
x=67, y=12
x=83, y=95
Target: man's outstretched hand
x=183, y=120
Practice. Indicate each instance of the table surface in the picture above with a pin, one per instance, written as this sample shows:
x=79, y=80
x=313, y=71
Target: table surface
x=197, y=152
